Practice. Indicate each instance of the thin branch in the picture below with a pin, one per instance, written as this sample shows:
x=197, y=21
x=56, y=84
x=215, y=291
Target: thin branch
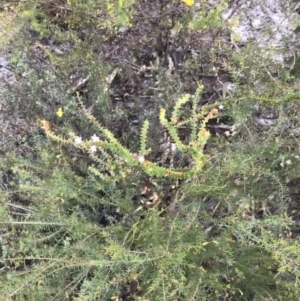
x=32, y=223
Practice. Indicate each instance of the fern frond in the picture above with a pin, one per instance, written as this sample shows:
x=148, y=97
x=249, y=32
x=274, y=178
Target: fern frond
x=111, y=143
x=57, y=138
x=171, y=129
x=194, y=117
x=152, y=169
x=179, y=103
x=143, y=138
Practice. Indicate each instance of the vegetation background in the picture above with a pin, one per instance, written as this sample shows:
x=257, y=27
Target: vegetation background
x=147, y=153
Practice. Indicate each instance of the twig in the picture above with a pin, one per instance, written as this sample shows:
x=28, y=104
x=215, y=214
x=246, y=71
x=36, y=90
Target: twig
x=19, y=207
x=32, y=223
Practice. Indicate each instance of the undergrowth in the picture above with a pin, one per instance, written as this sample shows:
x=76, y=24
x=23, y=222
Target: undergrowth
x=142, y=180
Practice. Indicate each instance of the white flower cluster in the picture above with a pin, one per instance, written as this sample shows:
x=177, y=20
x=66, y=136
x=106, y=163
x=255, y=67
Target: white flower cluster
x=94, y=138
x=287, y=162
x=78, y=140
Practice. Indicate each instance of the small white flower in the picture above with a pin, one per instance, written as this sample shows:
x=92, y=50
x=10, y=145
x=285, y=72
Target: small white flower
x=141, y=159
x=78, y=140
x=95, y=138
x=93, y=148
x=221, y=107
x=288, y=162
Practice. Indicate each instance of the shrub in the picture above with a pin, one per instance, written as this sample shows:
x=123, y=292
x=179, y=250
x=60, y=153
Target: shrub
x=187, y=211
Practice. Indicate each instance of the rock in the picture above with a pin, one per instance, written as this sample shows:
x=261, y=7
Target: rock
x=6, y=74
x=269, y=23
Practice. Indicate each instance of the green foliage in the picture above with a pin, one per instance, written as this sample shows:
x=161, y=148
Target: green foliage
x=205, y=18
x=155, y=254
x=143, y=151
x=108, y=144
x=121, y=12
x=90, y=211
